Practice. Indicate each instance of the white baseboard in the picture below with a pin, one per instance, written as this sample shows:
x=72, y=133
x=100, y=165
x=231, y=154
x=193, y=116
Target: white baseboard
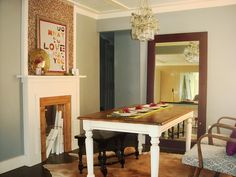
x=12, y=163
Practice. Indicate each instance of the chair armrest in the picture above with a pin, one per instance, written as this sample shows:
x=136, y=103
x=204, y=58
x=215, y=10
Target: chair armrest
x=218, y=126
x=224, y=118
x=211, y=136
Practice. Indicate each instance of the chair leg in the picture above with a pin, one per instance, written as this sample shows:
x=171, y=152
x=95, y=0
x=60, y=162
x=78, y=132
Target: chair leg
x=81, y=144
x=197, y=172
x=171, y=133
x=102, y=160
x=121, y=157
x=136, y=152
x=192, y=169
x=183, y=126
x=217, y=174
x=80, y=165
x=136, y=147
x=178, y=130
x=121, y=148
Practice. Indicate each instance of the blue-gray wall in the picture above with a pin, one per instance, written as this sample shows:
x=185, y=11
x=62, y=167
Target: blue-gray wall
x=11, y=130
x=127, y=76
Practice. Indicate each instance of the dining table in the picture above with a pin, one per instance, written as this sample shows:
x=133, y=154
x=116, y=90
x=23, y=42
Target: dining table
x=151, y=122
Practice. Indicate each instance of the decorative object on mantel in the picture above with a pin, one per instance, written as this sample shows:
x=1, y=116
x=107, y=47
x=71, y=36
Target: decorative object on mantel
x=38, y=63
x=191, y=52
x=52, y=37
x=144, y=25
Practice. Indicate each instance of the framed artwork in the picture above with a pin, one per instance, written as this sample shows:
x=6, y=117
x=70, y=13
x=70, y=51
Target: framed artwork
x=52, y=37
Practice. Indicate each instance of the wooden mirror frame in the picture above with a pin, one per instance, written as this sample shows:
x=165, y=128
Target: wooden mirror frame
x=197, y=36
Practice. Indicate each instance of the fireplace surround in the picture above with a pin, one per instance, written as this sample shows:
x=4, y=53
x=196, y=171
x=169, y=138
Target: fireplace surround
x=36, y=88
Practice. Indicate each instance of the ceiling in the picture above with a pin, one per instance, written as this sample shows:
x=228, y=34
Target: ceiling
x=100, y=9
x=172, y=53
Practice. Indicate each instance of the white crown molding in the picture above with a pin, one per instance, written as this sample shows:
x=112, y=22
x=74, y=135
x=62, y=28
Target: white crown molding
x=191, y=4
x=162, y=8
x=120, y=4
x=83, y=10
x=88, y=13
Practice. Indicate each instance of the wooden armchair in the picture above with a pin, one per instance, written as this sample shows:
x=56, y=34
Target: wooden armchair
x=222, y=120
x=210, y=156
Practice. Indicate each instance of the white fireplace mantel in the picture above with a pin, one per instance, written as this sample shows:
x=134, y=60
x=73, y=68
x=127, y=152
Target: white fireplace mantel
x=36, y=87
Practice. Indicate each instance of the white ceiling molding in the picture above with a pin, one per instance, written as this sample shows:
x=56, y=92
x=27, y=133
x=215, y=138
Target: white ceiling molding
x=87, y=13
x=120, y=4
x=190, y=4
x=83, y=10
x=159, y=8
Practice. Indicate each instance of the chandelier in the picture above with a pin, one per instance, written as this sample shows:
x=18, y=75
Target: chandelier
x=191, y=52
x=144, y=25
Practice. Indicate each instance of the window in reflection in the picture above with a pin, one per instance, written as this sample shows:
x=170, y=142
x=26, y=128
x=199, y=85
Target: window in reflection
x=188, y=86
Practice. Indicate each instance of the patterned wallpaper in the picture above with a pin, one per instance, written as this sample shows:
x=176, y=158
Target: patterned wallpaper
x=55, y=10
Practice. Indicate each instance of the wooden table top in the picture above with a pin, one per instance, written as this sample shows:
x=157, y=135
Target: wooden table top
x=160, y=117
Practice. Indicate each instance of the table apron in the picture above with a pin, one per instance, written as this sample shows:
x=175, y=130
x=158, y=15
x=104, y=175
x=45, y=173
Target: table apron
x=152, y=130
x=170, y=124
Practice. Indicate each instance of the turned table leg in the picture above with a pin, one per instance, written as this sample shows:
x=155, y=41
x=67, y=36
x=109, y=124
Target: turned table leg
x=155, y=156
x=89, y=152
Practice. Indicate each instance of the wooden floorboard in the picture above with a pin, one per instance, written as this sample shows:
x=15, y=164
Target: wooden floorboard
x=34, y=171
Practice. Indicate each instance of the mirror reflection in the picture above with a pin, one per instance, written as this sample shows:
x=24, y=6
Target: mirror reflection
x=177, y=79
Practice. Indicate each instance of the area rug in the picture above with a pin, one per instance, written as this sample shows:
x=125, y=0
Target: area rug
x=170, y=166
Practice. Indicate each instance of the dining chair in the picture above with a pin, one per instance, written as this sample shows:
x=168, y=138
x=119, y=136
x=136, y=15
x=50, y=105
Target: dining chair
x=108, y=141
x=210, y=156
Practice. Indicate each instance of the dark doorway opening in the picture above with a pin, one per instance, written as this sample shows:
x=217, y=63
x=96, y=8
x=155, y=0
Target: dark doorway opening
x=106, y=71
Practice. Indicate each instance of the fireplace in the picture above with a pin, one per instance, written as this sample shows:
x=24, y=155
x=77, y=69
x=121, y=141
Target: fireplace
x=52, y=134
x=42, y=91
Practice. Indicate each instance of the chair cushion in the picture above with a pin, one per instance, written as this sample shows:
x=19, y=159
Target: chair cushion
x=214, y=158
x=230, y=146
x=104, y=135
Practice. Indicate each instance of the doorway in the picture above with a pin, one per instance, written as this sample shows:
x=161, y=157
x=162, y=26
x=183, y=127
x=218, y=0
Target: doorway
x=107, y=71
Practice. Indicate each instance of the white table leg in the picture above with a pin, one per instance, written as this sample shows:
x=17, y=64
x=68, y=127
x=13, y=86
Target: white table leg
x=155, y=156
x=189, y=134
x=89, y=152
x=141, y=139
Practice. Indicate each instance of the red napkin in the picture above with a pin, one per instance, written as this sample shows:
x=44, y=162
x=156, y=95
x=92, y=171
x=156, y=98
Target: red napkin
x=153, y=104
x=126, y=110
x=139, y=107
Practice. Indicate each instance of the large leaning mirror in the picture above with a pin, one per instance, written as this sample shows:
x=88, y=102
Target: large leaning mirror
x=177, y=72
x=177, y=81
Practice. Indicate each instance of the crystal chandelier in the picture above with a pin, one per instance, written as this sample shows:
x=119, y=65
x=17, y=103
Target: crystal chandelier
x=191, y=52
x=144, y=25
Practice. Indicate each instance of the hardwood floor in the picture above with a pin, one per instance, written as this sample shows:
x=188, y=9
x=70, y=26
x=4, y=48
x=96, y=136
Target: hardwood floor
x=38, y=170
x=35, y=171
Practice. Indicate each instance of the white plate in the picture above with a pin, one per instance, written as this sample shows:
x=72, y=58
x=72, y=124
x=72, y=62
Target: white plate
x=127, y=114
x=132, y=109
x=164, y=105
x=146, y=106
x=154, y=107
x=142, y=110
